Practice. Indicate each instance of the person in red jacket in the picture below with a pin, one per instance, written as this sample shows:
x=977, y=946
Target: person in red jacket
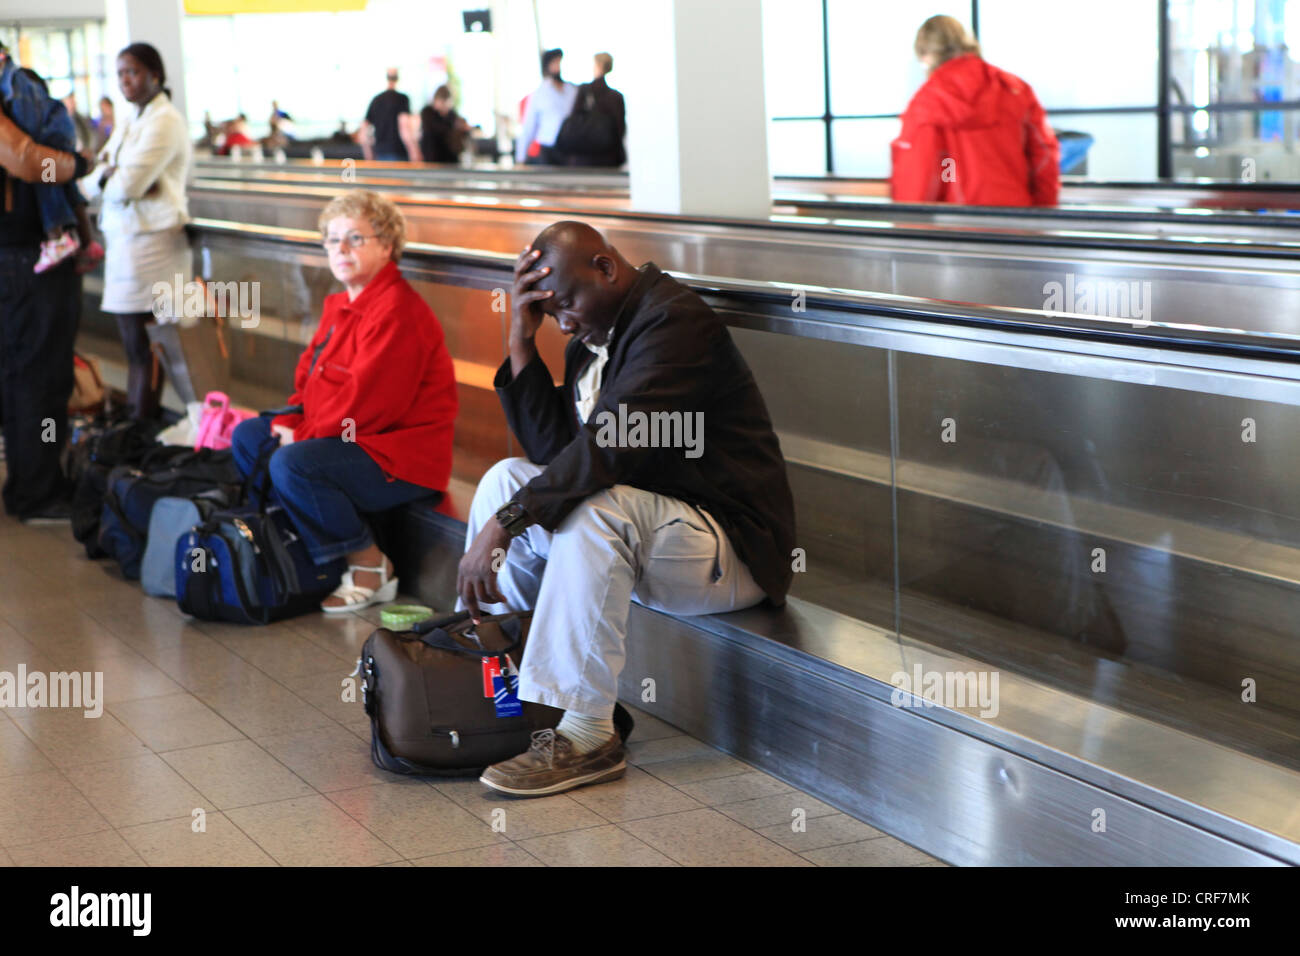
x=972, y=134
x=377, y=392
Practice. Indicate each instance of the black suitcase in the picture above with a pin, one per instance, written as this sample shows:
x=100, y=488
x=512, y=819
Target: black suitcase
x=131, y=492
x=425, y=692
x=96, y=450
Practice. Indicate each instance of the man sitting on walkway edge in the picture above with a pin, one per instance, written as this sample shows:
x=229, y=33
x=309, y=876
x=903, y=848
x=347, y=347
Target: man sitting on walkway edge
x=598, y=514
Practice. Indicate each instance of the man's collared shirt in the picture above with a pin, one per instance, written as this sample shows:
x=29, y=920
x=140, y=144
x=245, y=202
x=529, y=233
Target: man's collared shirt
x=587, y=389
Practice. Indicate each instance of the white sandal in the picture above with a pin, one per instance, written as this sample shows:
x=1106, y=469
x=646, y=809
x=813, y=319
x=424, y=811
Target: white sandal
x=355, y=597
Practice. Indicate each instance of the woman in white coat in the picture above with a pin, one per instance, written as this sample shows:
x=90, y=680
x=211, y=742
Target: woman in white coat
x=141, y=181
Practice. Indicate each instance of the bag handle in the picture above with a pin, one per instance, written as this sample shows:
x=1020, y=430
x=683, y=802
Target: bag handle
x=433, y=633
x=219, y=400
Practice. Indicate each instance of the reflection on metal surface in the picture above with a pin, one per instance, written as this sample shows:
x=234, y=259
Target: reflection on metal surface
x=1073, y=433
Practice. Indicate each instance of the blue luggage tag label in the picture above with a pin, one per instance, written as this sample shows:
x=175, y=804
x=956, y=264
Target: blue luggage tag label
x=505, y=689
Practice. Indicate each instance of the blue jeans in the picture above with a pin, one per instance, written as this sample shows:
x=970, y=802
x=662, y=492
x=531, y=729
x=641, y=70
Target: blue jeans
x=324, y=484
x=55, y=206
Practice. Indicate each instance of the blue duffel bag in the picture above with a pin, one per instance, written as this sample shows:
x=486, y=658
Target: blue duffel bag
x=247, y=565
x=172, y=519
x=132, y=493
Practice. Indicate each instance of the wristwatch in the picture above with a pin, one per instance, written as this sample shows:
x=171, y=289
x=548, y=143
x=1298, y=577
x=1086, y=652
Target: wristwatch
x=514, y=519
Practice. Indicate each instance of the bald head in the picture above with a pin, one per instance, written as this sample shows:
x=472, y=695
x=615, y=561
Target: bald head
x=569, y=244
x=588, y=277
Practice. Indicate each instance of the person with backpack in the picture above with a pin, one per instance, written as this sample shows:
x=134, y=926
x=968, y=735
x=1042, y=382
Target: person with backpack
x=973, y=134
x=38, y=312
x=593, y=133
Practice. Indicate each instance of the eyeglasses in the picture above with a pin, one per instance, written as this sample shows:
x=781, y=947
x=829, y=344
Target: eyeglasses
x=355, y=240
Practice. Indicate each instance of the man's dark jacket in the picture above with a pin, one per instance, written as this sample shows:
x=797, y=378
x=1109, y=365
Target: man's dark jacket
x=670, y=352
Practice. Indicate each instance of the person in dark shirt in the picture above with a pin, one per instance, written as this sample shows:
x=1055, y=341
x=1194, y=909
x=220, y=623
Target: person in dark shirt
x=653, y=474
x=387, y=123
x=599, y=97
x=442, y=131
x=38, y=322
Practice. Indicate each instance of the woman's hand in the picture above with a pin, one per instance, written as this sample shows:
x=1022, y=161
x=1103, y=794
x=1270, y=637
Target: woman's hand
x=285, y=433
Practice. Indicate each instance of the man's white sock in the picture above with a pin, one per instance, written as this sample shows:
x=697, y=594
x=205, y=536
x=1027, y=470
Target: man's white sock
x=586, y=733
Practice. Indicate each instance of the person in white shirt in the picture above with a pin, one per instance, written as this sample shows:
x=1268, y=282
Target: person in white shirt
x=548, y=107
x=141, y=181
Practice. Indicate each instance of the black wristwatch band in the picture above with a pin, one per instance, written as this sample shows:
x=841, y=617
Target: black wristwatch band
x=514, y=519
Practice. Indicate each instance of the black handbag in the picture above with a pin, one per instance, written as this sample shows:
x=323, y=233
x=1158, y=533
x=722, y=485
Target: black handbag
x=432, y=695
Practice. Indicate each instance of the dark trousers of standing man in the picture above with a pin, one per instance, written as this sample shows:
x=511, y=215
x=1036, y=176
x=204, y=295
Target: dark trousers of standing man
x=38, y=321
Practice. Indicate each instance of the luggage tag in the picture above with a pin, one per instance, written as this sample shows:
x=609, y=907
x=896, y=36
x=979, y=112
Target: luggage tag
x=505, y=687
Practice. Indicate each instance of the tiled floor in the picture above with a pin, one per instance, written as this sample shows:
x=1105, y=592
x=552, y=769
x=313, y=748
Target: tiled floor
x=233, y=746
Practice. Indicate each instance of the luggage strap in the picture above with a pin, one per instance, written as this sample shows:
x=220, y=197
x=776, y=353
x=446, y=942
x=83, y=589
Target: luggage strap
x=432, y=632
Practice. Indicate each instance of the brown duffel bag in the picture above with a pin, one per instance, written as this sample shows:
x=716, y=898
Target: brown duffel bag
x=440, y=697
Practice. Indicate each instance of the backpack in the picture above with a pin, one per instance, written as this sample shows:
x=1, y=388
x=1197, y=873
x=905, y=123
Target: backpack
x=132, y=491
x=441, y=697
x=587, y=131
x=247, y=565
x=170, y=520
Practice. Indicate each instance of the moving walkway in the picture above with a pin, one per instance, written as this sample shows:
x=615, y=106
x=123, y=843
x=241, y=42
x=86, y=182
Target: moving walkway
x=1099, y=512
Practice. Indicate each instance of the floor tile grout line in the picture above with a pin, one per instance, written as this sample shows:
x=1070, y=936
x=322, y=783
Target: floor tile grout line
x=322, y=643
x=363, y=826
x=76, y=836
x=269, y=675
x=152, y=753
x=738, y=823
x=933, y=859
x=563, y=833
x=251, y=839
x=50, y=758
x=80, y=793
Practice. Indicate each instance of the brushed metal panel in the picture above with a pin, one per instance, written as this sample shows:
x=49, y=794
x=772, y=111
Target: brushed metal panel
x=961, y=799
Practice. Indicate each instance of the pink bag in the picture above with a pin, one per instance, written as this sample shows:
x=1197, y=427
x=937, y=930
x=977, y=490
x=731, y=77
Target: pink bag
x=219, y=421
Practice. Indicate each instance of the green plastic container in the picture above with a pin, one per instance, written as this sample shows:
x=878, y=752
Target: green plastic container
x=400, y=617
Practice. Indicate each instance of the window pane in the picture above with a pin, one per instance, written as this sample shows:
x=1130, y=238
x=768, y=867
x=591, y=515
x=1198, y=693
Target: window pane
x=796, y=147
x=792, y=58
x=1124, y=146
x=1234, y=146
x=56, y=62
x=1103, y=54
x=873, y=66
x=1233, y=51
x=862, y=146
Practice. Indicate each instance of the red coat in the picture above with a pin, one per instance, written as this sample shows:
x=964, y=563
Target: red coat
x=383, y=365
x=976, y=135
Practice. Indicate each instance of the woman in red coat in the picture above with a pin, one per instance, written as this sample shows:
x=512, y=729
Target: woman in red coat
x=378, y=395
x=973, y=134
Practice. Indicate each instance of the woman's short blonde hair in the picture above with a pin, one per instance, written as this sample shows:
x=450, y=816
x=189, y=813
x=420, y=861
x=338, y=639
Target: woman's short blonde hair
x=945, y=37
x=382, y=214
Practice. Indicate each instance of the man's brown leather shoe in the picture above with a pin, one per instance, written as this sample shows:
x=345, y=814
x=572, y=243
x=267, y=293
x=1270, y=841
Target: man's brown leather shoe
x=551, y=766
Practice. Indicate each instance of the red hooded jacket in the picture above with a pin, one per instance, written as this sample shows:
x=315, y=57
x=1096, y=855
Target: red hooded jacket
x=976, y=135
x=380, y=362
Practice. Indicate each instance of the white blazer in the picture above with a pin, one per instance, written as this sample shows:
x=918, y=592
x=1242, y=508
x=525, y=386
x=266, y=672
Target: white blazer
x=152, y=154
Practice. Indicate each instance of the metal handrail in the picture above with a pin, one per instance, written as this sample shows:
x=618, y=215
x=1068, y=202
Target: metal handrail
x=825, y=304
